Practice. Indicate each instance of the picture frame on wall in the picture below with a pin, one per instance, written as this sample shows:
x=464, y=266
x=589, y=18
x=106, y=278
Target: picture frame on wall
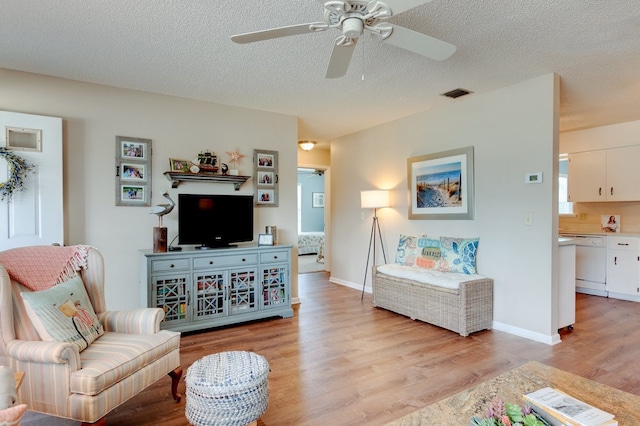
x=317, y=199
x=265, y=178
x=133, y=172
x=441, y=185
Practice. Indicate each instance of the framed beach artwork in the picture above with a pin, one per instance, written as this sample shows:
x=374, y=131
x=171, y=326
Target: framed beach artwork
x=441, y=185
x=133, y=171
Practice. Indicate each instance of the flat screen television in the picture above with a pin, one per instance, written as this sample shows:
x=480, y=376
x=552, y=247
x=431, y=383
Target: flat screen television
x=210, y=221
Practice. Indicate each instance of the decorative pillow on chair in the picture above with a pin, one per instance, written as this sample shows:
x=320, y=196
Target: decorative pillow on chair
x=407, y=250
x=458, y=255
x=12, y=415
x=63, y=313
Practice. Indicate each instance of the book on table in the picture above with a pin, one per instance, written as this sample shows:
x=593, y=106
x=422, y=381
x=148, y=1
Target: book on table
x=566, y=409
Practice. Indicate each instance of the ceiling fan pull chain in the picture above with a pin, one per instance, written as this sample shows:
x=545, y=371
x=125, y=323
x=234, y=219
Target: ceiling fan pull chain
x=363, y=37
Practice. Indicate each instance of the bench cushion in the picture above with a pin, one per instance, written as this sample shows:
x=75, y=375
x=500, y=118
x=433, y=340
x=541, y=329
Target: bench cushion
x=450, y=280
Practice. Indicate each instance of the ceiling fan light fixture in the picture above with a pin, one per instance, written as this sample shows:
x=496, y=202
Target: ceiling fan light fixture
x=352, y=27
x=306, y=145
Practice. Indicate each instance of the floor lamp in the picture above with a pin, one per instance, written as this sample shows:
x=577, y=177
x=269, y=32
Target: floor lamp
x=373, y=200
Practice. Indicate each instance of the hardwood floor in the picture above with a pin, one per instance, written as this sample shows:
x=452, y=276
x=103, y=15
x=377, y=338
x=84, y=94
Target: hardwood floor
x=343, y=362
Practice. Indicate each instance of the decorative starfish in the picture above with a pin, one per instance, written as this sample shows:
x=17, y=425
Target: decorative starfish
x=235, y=156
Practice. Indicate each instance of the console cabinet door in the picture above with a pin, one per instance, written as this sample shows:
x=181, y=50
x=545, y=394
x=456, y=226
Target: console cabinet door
x=171, y=294
x=275, y=286
x=243, y=285
x=209, y=294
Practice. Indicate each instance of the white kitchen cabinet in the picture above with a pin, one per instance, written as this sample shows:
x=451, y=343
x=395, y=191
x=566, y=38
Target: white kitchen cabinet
x=587, y=178
x=604, y=175
x=622, y=268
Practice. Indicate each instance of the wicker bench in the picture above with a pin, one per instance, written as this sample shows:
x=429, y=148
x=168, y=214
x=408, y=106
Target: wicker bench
x=464, y=306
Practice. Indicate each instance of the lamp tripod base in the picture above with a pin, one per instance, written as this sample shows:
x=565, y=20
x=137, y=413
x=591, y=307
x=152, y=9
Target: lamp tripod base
x=375, y=228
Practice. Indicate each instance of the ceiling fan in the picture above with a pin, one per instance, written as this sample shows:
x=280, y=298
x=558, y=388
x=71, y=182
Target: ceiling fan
x=352, y=18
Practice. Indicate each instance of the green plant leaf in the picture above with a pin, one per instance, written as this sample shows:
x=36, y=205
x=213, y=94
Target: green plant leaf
x=514, y=412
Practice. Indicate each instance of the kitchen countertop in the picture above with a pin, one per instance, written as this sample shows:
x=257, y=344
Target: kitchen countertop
x=566, y=233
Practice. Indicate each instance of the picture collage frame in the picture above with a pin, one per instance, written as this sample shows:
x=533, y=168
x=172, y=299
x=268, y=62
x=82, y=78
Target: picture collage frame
x=133, y=172
x=265, y=178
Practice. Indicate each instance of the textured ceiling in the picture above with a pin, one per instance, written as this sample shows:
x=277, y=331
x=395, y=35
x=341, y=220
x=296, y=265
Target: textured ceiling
x=183, y=48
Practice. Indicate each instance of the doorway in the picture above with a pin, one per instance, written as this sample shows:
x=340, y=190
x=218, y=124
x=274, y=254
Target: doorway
x=311, y=220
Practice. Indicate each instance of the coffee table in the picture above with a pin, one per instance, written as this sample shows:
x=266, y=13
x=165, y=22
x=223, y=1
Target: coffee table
x=459, y=408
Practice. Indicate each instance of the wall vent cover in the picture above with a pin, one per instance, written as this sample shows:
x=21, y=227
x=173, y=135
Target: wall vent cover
x=456, y=93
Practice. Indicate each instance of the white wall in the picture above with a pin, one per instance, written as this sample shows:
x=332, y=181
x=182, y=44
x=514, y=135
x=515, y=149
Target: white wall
x=514, y=131
x=93, y=115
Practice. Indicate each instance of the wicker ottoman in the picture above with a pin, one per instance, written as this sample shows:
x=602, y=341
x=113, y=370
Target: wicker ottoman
x=227, y=388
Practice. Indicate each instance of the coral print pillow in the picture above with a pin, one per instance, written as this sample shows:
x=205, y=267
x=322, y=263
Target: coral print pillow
x=63, y=313
x=458, y=255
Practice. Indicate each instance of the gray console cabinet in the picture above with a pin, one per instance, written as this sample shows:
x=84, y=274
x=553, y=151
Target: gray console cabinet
x=199, y=289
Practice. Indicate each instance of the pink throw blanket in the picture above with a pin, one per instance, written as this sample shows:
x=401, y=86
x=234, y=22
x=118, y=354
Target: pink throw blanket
x=42, y=267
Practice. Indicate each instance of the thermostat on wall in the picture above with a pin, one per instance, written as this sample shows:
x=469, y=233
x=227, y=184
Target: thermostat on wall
x=533, y=178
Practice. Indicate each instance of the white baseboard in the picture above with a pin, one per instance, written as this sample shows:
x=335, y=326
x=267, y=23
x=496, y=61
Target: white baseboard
x=527, y=334
x=349, y=284
x=621, y=296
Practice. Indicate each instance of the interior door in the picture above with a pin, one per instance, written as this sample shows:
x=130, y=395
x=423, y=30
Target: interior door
x=34, y=216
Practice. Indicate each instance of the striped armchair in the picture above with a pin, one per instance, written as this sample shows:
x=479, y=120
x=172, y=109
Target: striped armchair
x=59, y=380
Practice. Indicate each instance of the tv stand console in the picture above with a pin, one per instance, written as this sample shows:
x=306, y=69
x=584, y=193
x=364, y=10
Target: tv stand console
x=200, y=289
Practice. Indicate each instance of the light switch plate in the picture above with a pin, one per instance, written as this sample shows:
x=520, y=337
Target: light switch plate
x=528, y=218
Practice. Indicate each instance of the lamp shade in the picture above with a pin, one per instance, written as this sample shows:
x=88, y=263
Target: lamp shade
x=306, y=145
x=374, y=199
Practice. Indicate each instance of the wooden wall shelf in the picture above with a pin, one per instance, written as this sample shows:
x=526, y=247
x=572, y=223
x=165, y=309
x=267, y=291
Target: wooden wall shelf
x=177, y=177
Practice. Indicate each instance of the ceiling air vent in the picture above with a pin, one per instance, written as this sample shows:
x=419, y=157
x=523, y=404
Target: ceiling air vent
x=456, y=93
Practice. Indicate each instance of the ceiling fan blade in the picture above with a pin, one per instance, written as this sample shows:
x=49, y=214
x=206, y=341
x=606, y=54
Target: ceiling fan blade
x=340, y=58
x=279, y=32
x=419, y=43
x=399, y=6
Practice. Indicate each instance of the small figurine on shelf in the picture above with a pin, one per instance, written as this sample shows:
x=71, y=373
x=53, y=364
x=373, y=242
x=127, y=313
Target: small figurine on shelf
x=207, y=162
x=234, y=160
x=224, y=169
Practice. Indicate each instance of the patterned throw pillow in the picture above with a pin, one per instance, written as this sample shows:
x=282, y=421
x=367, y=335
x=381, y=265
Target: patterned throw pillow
x=407, y=249
x=429, y=253
x=63, y=313
x=458, y=255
